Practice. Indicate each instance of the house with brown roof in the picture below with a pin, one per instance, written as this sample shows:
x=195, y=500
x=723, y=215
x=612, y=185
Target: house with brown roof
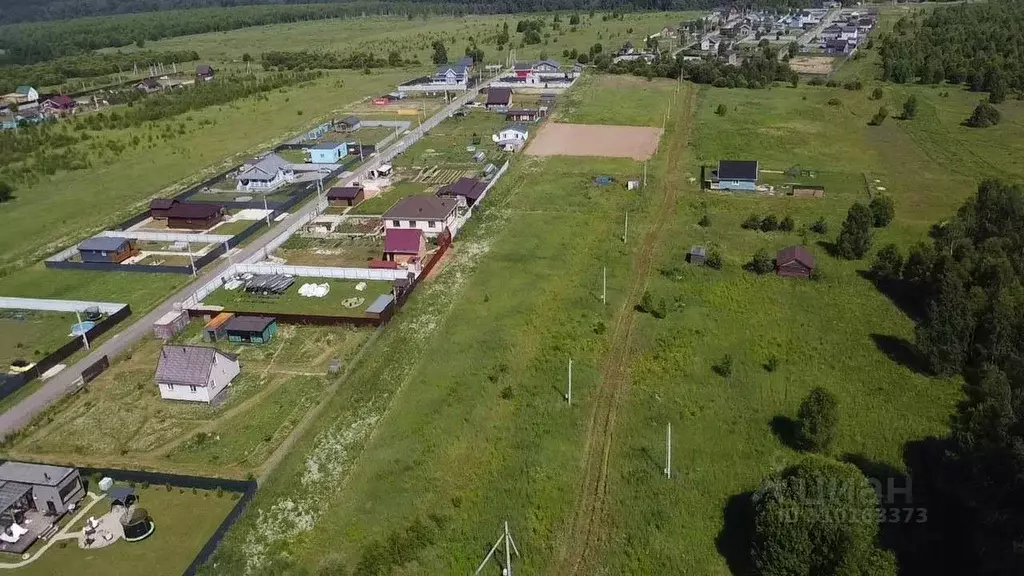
x=194, y=215
x=794, y=261
x=159, y=207
x=149, y=86
x=108, y=249
x=404, y=245
x=498, y=98
x=59, y=106
x=430, y=214
x=524, y=114
x=204, y=72
x=194, y=373
x=466, y=190
x=345, y=195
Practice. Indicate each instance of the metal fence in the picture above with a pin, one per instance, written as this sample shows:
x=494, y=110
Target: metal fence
x=196, y=237
x=323, y=272
x=49, y=305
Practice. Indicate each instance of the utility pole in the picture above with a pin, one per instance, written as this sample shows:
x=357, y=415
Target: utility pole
x=604, y=285
x=568, y=395
x=668, y=451
x=85, y=339
x=266, y=211
x=509, y=548
x=625, y=229
x=191, y=261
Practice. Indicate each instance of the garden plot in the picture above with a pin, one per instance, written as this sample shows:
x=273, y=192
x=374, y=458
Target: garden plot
x=636, y=142
x=441, y=175
x=345, y=298
x=346, y=252
x=122, y=422
x=29, y=335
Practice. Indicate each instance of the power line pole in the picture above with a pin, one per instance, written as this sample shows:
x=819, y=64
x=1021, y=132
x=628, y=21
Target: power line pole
x=509, y=548
x=604, y=285
x=568, y=395
x=625, y=229
x=668, y=451
x=85, y=339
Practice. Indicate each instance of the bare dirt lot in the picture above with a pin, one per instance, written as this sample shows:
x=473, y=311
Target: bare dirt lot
x=636, y=142
x=811, y=64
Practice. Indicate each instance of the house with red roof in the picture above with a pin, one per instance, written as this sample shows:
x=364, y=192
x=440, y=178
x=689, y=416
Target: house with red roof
x=59, y=106
x=404, y=245
x=795, y=262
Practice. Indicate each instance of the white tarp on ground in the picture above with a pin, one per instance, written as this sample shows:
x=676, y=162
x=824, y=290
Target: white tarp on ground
x=57, y=305
x=251, y=214
x=314, y=290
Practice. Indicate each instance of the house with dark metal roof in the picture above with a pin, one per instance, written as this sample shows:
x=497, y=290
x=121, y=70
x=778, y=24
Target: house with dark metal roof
x=204, y=72
x=33, y=499
x=194, y=373
x=264, y=174
x=59, y=106
x=158, y=207
x=454, y=74
x=736, y=175
x=193, y=215
x=794, y=261
x=348, y=124
x=149, y=85
x=466, y=190
x=251, y=329
x=498, y=98
x=345, y=195
x=430, y=214
x=404, y=245
x=524, y=115
x=107, y=249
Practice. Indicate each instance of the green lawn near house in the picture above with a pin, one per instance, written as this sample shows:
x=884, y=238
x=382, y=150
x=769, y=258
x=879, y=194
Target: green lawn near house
x=31, y=335
x=383, y=201
x=446, y=144
x=351, y=251
x=290, y=302
x=184, y=521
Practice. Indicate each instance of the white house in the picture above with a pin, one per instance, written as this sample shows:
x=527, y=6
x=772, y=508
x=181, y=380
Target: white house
x=454, y=74
x=848, y=33
x=708, y=44
x=264, y=174
x=194, y=373
x=512, y=137
x=430, y=214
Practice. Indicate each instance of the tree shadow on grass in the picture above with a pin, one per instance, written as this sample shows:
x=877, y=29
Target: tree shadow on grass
x=897, y=293
x=785, y=429
x=901, y=351
x=735, y=538
x=829, y=247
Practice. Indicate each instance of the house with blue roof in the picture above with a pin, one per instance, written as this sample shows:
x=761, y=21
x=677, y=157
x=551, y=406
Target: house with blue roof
x=454, y=74
x=107, y=249
x=327, y=152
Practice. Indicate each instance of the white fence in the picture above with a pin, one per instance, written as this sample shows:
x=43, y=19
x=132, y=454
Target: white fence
x=65, y=254
x=168, y=236
x=57, y=305
x=462, y=219
x=323, y=271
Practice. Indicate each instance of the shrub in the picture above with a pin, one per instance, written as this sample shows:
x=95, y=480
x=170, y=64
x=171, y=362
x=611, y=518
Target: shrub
x=816, y=81
x=877, y=94
x=168, y=487
x=787, y=224
x=704, y=221
x=832, y=84
x=721, y=110
x=724, y=366
x=753, y=222
x=769, y=223
x=714, y=260
x=772, y=364
x=853, y=85
x=599, y=328
x=834, y=101
x=762, y=262
x=818, y=421
x=910, y=108
x=220, y=492
x=879, y=116
x=506, y=393
x=888, y=263
x=855, y=237
x=820, y=226
x=984, y=115
x=882, y=211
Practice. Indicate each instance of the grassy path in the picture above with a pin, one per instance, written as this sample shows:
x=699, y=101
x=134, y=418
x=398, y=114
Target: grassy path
x=587, y=533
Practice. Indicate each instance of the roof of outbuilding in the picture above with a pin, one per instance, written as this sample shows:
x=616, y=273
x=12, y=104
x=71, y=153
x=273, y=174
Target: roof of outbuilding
x=204, y=69
x=467, y=187
x=35, y=474
x=517, y=127
x=193, y=210
x=403, y=241
x=248, y=323
x=162, y=203
x=499, y=96
x=795, y=253
x=187, y=365
x=421, y=206
x=327, y=146
x=737, y=169
x=344, y=192
x=103, y=244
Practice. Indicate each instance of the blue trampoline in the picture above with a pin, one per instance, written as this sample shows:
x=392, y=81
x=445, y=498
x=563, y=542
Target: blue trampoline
x=81, y=328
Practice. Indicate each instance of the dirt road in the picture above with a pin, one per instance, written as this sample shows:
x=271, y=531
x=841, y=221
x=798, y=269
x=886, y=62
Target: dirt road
x=586, y=531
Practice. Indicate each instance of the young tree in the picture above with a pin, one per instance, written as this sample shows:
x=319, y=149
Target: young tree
x=770, y=223
x=574, y=20
x=879, y=116
x=704, y=221
x=910, y=107
x=818, y=421
x=820, y=226
x=721, y=110
x=753, y=222
x=944, y=337
x=714, y=260
x=818, y=517
x=762, y=262
x=882, y=210
x=440, y=55
x=787, y=224
x=888, y=263
x=6, y=191
x=877, y=94
x=855, y=235
x=984, y=115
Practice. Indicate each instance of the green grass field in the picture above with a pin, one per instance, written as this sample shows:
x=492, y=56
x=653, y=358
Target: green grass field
x=292, y=303
x=121, y=421
x=184, y=522
x=30, y=335
x=445, y=145
x=352, y=251
x=380, y=203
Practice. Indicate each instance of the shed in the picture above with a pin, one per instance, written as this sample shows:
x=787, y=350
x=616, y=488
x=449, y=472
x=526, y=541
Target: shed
x=251, y=329
x=403, y=245
x=348, y=124
x=794, y=261
x=498, y=98
x=214, y=329
x=345, y=195
x=807, y=190
x=159, y=207
x=108, y=249
x=194, y=215
x=327, y=152
x=697, y=255
x=170, y=324
x=204, y=72
x=381, y=307
x=469, y=190
x=122, y=496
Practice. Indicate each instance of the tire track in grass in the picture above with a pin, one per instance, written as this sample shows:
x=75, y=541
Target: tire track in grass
x=584, y=541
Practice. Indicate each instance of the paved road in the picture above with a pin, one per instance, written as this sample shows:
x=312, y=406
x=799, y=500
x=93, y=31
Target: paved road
x=60, y=385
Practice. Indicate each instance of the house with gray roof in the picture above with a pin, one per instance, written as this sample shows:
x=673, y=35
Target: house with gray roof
x=108, y=249
x=194, y=373
x=264, y=174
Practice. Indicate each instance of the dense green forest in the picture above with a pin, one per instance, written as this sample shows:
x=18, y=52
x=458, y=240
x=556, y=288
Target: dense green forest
x=977, y=44
x=966, y=288
x=57, y=71
x=324, y=60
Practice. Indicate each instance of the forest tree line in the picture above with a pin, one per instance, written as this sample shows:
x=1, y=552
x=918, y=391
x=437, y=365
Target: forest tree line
x=975, y=44
x=55, y=72
x=326, y=60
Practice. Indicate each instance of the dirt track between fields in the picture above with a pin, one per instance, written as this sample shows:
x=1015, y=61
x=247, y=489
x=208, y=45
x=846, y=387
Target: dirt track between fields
x=587, y=532
x=636, y=142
